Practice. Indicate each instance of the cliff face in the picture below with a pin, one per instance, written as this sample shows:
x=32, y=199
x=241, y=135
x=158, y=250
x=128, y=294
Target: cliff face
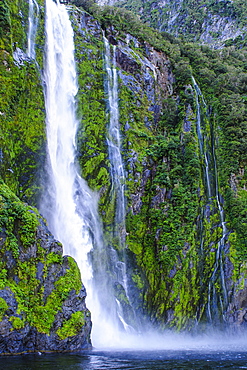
x=42, y=299
x=176, y=185
x=216, y=23
x=185, y=186
x=21, y=103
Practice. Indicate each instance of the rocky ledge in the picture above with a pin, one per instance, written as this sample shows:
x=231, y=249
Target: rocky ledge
x=42, y=298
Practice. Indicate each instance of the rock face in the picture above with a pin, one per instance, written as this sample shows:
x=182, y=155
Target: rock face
x=213, y=23
x=42, y=299
x=173, y=230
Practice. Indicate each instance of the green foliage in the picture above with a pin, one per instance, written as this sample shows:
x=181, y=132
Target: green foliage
x=3, y=307
x=21, y=106
x=15, y=215
x=5, y=23
x=125, y=21
x=91, y=110
x=72, y=326
x=236, y=207
x=183, y=72
x=17, y=323
x=189, y=18
x=42, y=315
x=85, y=4
x=54, y=258
x=19, y=224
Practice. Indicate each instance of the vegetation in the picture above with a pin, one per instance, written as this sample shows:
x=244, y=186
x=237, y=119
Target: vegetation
x=166, y=233
x=190, y=19
x=21, y=107
x=72, y=326
x=20, y=249
x=173, y=226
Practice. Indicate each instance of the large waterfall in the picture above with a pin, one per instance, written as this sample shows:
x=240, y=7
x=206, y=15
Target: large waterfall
x=66, y=188
x=69, y=206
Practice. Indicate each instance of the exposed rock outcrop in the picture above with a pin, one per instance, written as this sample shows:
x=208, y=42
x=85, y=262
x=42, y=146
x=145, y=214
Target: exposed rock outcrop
x=42, y=299
x=213, y=23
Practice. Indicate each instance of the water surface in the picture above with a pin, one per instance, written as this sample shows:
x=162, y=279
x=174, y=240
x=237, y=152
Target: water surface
x=129, y=359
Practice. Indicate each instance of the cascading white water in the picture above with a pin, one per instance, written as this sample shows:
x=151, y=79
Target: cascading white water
x=117, y=181
x=32, y=28
x=219, y=264
x=69, y=206
x=65, y=183
x=199, y=134
x=114, y=143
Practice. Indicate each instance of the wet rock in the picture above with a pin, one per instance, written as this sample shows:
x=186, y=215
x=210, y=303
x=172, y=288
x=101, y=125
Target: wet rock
x=127, y=63
x=20, y=57
x=41, y=266
x=159, y=197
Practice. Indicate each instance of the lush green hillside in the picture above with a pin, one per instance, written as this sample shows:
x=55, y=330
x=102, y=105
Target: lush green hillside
x=42, y=299
x=173, y=228
x=21, y=102
x=178, y=179
x=217, y=23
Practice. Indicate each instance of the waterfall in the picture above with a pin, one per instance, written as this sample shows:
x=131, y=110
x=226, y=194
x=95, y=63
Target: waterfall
x=219, y=263
x=114, y=145
x=68, y=204
x=200, y=135
x=218, y=268
x=126, y=312
x=67, y=189
x=116, y=162
x=32, y=28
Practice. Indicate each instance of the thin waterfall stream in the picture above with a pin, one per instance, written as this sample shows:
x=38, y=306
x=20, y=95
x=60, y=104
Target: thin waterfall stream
x=114, y=144
x=33, y=17
x=118, y=182
x=214, y=298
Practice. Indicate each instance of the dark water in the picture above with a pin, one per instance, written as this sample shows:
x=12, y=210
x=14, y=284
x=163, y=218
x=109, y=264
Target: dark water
x=117, y=360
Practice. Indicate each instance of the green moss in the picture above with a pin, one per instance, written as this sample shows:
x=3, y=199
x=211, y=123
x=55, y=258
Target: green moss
x=54, y=258
x=19, y=223
x=42, y=315
x=21, y=106
x=17, y=323
x=3, y=307
x=15, y=215
x=138, y=281
x=72, y=326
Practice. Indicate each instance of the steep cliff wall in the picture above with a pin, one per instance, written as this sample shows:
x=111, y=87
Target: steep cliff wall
x=174, y=230
x=216, y=23
x=42, y=299
x=21, y=102
x=179, y=271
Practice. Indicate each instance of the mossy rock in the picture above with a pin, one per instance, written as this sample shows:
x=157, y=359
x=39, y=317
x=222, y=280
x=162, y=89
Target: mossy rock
x=41, y=292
